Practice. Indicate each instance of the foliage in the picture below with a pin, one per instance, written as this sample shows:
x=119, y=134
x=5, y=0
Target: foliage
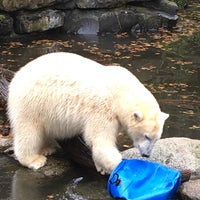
x=181, y=3
x=2, y=16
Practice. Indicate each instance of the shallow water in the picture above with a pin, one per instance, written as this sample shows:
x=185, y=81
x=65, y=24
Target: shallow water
x=170, y=72
x=19, y=183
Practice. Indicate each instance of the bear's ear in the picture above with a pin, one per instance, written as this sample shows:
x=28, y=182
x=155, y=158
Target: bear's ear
x=164, y=116
x=138, y=116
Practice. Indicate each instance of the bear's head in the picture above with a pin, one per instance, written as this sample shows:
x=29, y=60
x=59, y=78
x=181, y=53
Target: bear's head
x=145, y=130
x=142, y=120
x=137, y=111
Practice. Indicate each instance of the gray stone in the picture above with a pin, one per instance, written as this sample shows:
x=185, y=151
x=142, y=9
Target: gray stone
x=190, y=190
x=119, y=20
x=178, y=153
x=114, y=21
x=66, y=4
x=82, y=21
x=6, y=25
x=99, y=3
x=13, y=5
x=5, y=143
x=88, y=16
x=169, y=7
x=27, y=22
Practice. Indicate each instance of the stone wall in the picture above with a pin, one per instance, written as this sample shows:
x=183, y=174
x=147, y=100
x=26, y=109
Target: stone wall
x=85, y=16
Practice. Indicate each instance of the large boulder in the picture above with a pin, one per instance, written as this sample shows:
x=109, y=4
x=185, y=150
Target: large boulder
x=100, y=3
x=100, y=21
x=13, y=5
x=190, y=190
x=178, y=153
x=115, y=20
x=82, y=21
x=6, y=25
x=27, y=22
x=169, y=7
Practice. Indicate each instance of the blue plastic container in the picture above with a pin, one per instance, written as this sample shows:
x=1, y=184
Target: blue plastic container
x=143, y=180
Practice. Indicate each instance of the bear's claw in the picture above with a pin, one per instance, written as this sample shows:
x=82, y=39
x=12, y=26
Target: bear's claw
x=39, y=162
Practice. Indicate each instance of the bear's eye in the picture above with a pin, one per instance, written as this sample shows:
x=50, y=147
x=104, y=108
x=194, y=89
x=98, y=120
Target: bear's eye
x=147, y=137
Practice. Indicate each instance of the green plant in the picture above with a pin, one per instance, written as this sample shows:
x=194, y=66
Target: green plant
x=2, y=16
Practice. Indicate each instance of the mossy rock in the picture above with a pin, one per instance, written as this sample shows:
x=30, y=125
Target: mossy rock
x=181, y=3
x=6, y=25
x=2, y=16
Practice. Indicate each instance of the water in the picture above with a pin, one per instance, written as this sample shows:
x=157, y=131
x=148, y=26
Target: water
x=170, y=70
x=18, y=183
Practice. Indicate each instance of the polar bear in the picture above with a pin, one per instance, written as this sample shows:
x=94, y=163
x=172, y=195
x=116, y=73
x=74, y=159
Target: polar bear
x=61, y=95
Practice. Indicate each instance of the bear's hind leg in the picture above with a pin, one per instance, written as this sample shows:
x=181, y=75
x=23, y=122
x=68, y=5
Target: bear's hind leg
x=49, y=147
x=28, y=142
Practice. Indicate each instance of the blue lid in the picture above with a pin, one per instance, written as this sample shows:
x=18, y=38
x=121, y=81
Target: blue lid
x=143, y=180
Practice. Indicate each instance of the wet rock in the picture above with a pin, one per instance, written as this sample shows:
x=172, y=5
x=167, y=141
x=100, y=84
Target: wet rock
x=163, y=5
x=87, y=17
x=65, y=4
x=82, y=21
x=118, y=20
x=99, y=21
x=115, y=20
x=190, y=190
x=5, y=143
x=6, y=25
x=27, y=22
x=13, y=5
x=100, y=3
x=56, y=166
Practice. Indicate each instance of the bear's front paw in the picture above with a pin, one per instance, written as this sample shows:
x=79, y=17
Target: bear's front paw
x=106, y=158
x=110, y=166
x=103, y=171
x=38, y=162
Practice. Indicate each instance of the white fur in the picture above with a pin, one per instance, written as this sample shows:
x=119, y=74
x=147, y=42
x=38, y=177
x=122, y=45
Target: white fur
x=60, y=95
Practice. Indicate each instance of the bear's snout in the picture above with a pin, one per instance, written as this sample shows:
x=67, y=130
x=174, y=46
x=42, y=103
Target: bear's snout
x=144, y=152
x=145, y=148
x=145, y=155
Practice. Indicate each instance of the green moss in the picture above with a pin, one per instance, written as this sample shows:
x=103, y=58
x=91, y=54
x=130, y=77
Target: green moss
x=2, y=16
x=181, y=3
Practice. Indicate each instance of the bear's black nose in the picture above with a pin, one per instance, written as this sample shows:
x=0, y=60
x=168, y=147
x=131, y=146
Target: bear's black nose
x=145, y=155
